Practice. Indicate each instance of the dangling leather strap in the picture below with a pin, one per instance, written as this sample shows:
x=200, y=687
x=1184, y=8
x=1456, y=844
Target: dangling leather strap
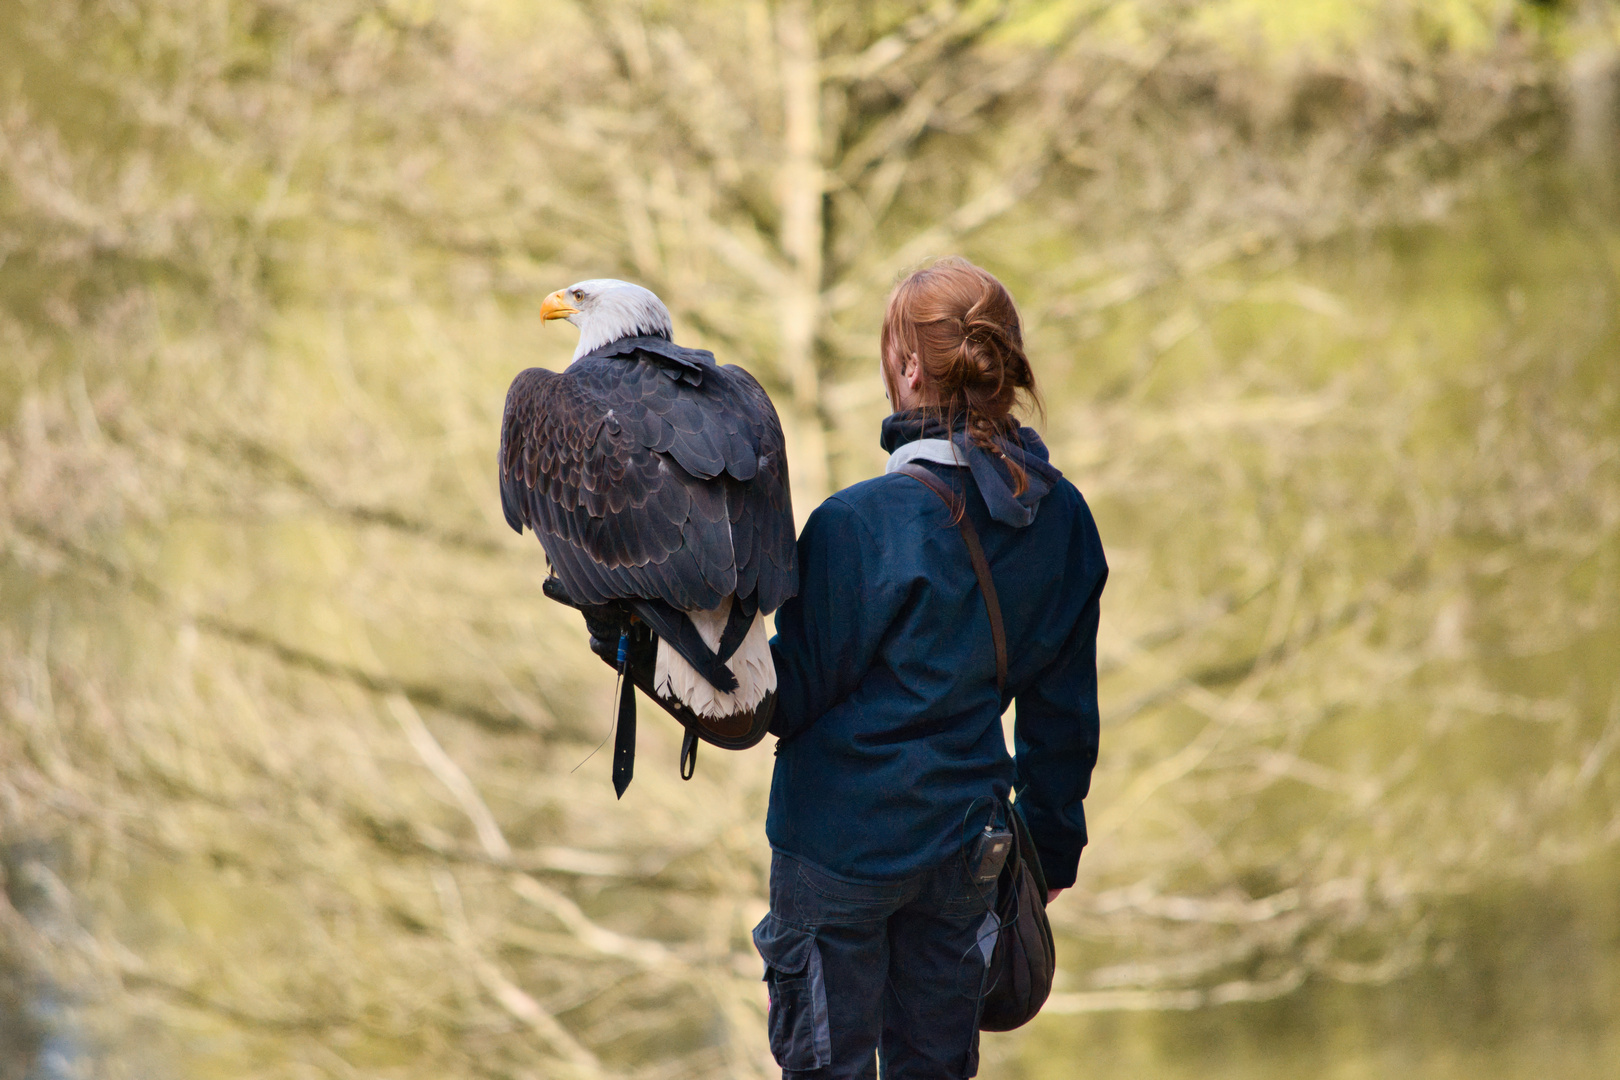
x=624, y=737
x=689, y=754
x=981, y=566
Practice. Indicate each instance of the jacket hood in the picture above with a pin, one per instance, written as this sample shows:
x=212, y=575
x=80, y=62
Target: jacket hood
x=989, y=471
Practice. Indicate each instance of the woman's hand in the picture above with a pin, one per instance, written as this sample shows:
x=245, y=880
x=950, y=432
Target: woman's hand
x=1053, y=894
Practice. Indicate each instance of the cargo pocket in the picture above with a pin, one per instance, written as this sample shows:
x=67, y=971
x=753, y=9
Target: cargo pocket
x=798, y=1020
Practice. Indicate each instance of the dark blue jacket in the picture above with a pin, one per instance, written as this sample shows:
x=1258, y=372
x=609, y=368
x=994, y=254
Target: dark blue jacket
x=890, y=726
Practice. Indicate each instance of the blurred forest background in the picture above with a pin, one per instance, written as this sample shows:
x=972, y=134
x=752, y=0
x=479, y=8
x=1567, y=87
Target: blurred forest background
x=1326, y=301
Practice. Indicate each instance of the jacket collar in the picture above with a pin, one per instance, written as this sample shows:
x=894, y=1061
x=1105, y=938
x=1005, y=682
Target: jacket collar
x=990, y=473
x=939, y=451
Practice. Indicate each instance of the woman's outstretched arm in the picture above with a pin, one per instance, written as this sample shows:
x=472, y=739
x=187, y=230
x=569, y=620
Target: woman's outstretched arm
x=827, y=635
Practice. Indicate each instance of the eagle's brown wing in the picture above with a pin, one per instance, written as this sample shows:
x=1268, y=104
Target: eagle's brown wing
x=651, y=476
x=767, y=556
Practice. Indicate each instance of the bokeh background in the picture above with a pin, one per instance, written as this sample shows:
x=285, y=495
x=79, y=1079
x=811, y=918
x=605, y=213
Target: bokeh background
x=1325, y=300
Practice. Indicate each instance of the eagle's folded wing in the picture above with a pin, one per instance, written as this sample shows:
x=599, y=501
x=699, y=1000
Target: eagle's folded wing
x=640, y=485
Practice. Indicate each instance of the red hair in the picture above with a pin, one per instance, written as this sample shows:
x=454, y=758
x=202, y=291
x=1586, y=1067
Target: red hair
x=963, y=328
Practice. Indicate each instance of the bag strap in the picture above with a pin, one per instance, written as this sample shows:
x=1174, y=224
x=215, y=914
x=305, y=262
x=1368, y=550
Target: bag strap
x=981, y=565
x=1024, y=844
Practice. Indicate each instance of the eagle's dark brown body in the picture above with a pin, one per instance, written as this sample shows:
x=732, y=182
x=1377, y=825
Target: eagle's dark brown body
x=656, y=478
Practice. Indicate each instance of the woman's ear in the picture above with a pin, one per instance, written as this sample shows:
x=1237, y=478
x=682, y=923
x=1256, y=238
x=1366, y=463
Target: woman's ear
x=913, y=372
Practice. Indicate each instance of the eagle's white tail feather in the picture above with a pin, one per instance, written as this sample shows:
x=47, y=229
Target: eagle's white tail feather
x=751, y=663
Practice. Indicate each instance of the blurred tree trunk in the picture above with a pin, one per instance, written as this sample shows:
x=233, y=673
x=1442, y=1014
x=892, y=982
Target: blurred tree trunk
x=802, y=185
x=814, y=154
x=1594, y=77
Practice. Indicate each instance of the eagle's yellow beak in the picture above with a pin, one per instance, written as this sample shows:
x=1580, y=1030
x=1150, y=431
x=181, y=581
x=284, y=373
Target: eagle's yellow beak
x=556, y=306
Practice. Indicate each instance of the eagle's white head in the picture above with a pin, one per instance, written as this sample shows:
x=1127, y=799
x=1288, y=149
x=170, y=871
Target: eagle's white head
x=606, y=310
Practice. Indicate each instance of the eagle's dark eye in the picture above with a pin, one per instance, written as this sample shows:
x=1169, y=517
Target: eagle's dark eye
x=579, y=294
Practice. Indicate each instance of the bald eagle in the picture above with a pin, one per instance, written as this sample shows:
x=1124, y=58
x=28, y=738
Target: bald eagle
x=656, y=481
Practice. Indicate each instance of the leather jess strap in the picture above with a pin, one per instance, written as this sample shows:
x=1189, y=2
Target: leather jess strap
x=981, y=565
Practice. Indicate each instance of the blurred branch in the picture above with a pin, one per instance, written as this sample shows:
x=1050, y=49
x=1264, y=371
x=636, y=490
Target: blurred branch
x=426, y=695
x=450, y=775
x=507, y=994
x=270, y=467
x=1244, y=990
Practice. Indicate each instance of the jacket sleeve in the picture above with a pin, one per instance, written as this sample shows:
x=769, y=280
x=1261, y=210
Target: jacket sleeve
x=1055, y=736
x=828, y=635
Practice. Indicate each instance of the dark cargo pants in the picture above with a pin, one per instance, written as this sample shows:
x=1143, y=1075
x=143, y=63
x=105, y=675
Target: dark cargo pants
x=862, y=969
